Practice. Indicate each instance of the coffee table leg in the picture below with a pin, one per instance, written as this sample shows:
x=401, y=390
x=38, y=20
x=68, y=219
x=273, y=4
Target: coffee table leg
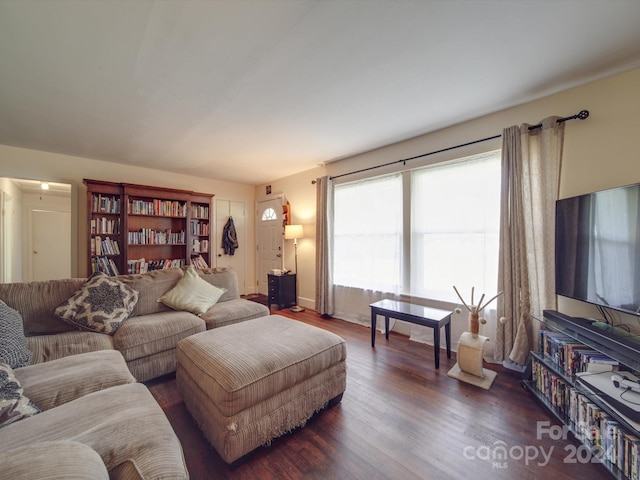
x=436, y=345
x=373, y=327
x=386, y=326
x=447, y=334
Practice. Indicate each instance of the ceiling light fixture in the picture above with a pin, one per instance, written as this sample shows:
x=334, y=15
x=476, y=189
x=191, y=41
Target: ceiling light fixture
x=44, y=186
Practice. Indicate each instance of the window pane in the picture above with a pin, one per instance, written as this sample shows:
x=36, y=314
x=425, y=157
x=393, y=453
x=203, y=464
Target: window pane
x=368, y=234
x=455, y=224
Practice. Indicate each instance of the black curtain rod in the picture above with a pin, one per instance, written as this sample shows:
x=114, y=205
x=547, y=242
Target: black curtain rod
x=580, y=116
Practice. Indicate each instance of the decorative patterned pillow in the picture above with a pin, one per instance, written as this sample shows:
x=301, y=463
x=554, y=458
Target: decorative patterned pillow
x=192, y=294
x=14, y=350
x=101, y=305
x=14, y=405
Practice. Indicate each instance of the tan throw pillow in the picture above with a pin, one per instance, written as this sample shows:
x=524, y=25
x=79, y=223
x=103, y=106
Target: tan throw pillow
x=192, y=294
x=101, y=305
x=14, y=405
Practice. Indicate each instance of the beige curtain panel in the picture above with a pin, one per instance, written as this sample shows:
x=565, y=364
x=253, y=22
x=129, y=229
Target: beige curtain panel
x=324, y=246
x=531, y=161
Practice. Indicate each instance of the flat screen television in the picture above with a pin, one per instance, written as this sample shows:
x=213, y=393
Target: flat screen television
x=597, y=248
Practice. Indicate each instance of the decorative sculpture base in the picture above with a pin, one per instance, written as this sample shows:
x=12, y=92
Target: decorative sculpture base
x=469, y=368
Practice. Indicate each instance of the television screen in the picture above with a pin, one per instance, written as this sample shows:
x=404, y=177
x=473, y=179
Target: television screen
x=598, y=248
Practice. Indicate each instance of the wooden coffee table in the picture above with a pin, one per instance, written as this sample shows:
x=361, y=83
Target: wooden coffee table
x=412, y=313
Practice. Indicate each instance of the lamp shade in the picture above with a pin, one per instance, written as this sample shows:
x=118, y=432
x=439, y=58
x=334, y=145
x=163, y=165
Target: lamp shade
x=293, y=232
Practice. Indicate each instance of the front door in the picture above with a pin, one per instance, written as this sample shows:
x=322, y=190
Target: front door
x=270, y=237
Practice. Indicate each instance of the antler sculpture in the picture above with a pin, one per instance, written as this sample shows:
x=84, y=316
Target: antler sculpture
x=474, y=311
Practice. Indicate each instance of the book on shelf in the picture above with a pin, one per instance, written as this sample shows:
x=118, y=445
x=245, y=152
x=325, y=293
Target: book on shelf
x=104, y=246
x=200, y=211
x=105, y=225
x=142, y=266
x=199, y=262
x=105, y=203
x=104, y=265
x=611, y=440
x=199, y=246
x=148, y=236
x=571, y=356
x=199, y=228
x=156, y=207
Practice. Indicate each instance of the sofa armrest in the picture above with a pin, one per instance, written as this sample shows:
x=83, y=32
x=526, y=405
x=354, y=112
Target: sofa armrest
x=60, y=381
x=57, y=459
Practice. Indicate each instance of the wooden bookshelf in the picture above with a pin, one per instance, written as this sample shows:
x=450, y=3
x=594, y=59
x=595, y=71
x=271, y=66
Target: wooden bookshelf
x=137, y=228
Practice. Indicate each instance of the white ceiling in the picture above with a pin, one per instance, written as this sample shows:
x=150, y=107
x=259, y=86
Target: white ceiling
x=252, y=91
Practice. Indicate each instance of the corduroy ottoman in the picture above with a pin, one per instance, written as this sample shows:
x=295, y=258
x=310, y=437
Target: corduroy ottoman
x=247, y=383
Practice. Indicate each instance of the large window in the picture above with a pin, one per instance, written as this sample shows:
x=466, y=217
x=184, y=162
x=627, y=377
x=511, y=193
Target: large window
x=449, y=236
x=368, y=234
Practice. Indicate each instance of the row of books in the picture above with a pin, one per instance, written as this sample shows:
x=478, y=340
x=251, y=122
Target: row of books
x=200, y=246
x=572, y=356
x=142, y=266
x=104, y=265
x=105, y=203
x=199, y=228
x=148, y=236
x=199, y=211
x=104, y=246
x=199, y=262
x=163, y=208
x=607, y=439
x=105, y=225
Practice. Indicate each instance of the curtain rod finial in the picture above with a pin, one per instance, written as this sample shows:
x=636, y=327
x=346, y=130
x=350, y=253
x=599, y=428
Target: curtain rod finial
x=583, y=115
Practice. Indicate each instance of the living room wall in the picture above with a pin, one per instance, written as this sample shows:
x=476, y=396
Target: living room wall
x=600, y=152
x=39, y=165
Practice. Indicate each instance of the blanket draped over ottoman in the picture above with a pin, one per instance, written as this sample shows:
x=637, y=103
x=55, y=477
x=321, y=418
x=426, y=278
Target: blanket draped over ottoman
x=248, y=383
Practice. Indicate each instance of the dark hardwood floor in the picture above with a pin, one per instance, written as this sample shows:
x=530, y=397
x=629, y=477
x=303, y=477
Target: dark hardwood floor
x=400, y=418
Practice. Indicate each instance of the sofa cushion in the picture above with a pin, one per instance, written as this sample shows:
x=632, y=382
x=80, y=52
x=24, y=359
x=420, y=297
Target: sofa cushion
x=63, y=459
x=124, y=424
x=60, y=381
x=233, y=311
x=14, y=349
x=50, y=347
x=222, y=277
x=151, y=286
x=36, y=300
x=148, y=334
x=101, y=305
x=192, y=293
x=14, y=404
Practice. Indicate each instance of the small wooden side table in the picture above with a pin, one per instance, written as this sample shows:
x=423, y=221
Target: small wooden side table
x=282, y=290
x=409, y=312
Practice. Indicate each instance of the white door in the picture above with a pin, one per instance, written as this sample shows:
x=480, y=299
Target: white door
x=270, y=238
x=50, y=241
x=237, y=261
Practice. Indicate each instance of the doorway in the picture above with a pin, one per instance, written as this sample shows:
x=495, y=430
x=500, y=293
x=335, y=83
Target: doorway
x=270, y=240
x=36, y=217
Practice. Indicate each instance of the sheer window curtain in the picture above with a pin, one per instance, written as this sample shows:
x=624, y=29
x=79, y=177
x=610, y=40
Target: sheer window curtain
x=324, y=246
x=455, y=221
x=368, y=245
x=531, y=161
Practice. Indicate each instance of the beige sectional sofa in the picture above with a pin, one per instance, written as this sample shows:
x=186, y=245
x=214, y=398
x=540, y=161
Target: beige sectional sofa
x=147, y=339
x=95, y=422
x=81, y=412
